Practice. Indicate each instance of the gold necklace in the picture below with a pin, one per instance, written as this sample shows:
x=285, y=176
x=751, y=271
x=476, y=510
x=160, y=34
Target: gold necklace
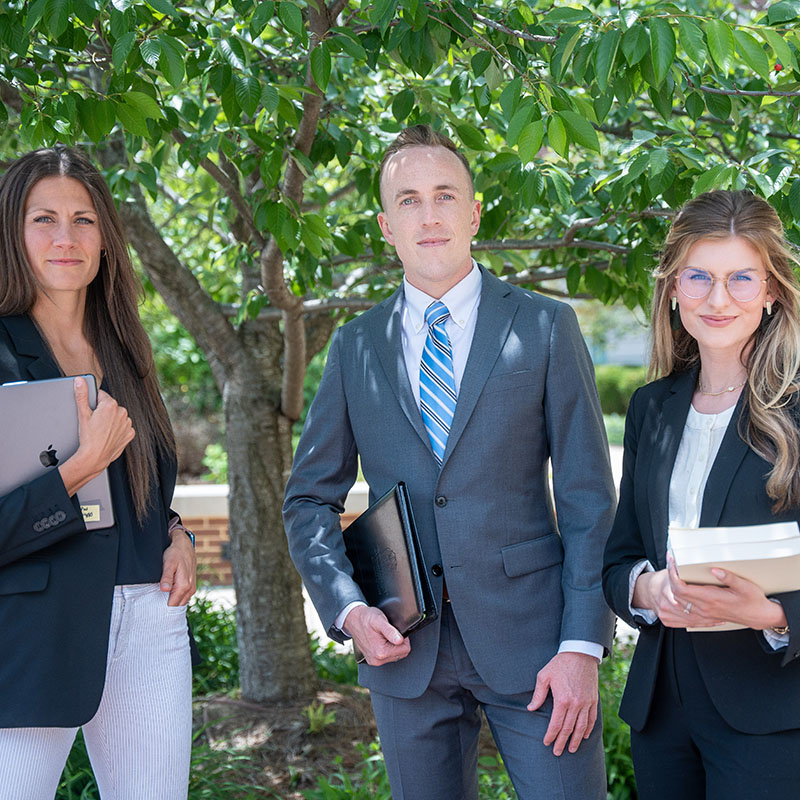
x=721, y=391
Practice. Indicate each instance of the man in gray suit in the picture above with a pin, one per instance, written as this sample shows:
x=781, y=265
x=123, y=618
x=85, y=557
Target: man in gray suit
x=468, y=402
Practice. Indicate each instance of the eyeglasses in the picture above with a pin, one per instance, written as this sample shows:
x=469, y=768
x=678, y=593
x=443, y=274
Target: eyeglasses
x=742, y=285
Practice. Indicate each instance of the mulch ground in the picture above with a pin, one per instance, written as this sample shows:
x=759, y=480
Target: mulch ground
x=275, y=748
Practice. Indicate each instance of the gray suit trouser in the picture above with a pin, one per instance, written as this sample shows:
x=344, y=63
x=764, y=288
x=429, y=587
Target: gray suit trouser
x=430, y=743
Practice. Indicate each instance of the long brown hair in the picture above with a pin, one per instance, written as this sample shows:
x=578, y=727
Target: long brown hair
x=111, y=318
x=772, y=357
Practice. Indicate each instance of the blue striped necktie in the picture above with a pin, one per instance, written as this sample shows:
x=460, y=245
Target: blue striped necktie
x=437, y=385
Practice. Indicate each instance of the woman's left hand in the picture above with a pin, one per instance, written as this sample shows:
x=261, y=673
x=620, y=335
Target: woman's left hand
x=739, y=600
x=178, y=576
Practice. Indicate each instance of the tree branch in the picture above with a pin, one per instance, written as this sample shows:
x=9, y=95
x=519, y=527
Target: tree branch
x=229, y=188
x=490, y=23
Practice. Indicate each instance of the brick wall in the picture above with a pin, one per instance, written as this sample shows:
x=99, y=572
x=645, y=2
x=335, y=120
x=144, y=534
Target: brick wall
x=204, y=510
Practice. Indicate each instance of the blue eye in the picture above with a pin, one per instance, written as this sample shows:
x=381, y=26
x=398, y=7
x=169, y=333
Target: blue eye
x=741, y=277
x=697, y=275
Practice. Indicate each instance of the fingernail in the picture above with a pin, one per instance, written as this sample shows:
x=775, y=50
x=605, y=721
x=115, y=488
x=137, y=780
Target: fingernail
x=718, y=573
x=165, y=587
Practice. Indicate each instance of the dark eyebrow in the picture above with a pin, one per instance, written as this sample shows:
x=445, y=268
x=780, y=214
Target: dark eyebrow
x=440, y=188
x=40, y=210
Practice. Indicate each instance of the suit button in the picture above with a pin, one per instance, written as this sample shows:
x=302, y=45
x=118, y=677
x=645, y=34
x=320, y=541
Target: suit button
x=437, y=570
x=441, y=501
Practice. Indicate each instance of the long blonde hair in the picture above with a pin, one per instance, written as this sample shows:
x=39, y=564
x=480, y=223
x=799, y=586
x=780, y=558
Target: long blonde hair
x=772, y=358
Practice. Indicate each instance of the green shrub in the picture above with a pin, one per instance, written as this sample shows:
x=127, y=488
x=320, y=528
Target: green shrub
x=214, y=630
x=615, y=385
x=616, y=733
x=332, y=664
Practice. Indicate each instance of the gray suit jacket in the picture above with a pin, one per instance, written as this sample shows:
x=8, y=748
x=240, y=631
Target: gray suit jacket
x=519, y=581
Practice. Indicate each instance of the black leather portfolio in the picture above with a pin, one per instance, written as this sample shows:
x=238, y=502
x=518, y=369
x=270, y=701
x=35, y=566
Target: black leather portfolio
x=383, y=547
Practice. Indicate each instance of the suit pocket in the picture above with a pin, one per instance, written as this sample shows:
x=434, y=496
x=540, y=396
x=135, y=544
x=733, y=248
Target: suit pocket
x=510, y=380
x=533, y=555
x=24, y=576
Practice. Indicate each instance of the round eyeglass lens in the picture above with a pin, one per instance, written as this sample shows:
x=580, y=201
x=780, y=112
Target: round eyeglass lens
x=743, y=285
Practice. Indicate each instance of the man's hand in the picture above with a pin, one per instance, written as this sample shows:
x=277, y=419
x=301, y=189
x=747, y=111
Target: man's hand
x=572, y=678
x=378, y=640
x=178, y=575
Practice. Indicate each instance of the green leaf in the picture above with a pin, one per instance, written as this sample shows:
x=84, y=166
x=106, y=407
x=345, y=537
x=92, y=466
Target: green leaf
x=143, y=104
x=710, y=179
x=719, y=105
x=573, y=279
x=794, y=199
x=131, y=120
x=232, y=51
x=248, y=93
x=566, y=15
x=164, y=7
x=170, y=61
x=479, y=62
x=122, y=49
x=97, y=117
x=260, y=17
x=662, y=99
x=753, y=53
x=522, y=116
x=56, y=16
x=783, y=12
x=321, y=65
x=692, y=41
x=694, y=105
x=509, y=97
x=635, y=44
x=530, y=140
x=721, y=43
x=269, y=98
x=557, y=135
x=403, y=104
x=596, y=282
x=291, y=17
x=473, y=138
x=563, y=51
x=35, y=12
x=580, y=130
x=150, y=50
x=779, y=46
x=351, y=45
x=605, y=56
x=662, y=47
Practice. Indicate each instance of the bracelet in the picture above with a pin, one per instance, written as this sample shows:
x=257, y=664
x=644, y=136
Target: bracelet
x=176, y=525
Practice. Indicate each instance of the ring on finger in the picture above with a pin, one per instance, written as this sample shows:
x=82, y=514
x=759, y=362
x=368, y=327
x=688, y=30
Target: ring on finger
x=688, y=609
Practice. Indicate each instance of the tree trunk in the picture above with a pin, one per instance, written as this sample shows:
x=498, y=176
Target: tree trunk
x=274, y=655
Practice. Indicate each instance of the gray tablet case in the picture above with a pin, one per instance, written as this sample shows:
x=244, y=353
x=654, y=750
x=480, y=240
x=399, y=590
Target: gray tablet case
x=38, y=431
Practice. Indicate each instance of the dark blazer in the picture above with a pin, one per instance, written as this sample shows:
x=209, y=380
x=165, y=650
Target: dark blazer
x=754, y=688
x=56, y=584
x=519, y=581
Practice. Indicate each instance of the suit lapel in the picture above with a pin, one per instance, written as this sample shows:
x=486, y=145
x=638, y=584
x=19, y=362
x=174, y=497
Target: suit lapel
x=35, y=359
x=495, y=314
x=386, y=335
x=665, y=444
x=731, y=452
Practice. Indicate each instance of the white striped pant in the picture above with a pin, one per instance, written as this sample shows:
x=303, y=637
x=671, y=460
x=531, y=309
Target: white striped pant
x=139, y=741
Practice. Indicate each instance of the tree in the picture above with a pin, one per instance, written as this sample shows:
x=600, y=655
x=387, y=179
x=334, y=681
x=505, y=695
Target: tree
x=241, y=139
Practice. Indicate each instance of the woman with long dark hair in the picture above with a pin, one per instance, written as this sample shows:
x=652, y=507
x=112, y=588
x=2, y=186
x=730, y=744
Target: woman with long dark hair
x=93, y=622
x=713, y=442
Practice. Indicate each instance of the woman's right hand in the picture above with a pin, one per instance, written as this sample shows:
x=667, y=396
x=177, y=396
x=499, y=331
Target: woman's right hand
x=102, y=434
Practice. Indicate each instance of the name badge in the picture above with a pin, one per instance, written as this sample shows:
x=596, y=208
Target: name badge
x=91, y=513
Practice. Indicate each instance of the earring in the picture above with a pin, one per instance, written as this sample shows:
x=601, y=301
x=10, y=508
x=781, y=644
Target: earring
x=675, y=321
x=769, y=308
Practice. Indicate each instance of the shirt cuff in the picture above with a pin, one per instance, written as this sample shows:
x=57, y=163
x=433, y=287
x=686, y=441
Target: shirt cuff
x=580, y=646
x=647, y=614
x=342, y=617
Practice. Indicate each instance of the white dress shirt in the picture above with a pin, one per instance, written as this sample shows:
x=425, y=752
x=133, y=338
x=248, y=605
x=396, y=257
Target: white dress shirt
x=462, y=302
x=700, y=443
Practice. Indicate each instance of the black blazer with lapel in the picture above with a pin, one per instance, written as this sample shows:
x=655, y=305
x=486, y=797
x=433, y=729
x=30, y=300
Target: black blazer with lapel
x=755, y=689
x=56, y=584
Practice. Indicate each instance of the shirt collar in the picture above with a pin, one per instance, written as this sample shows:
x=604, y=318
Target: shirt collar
x=460, y=300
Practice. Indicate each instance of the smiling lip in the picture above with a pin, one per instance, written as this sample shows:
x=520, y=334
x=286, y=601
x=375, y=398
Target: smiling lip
x=717, y=322
x=432, y=242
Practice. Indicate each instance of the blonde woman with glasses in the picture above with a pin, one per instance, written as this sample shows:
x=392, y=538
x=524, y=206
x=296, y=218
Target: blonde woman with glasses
x=714, y=441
